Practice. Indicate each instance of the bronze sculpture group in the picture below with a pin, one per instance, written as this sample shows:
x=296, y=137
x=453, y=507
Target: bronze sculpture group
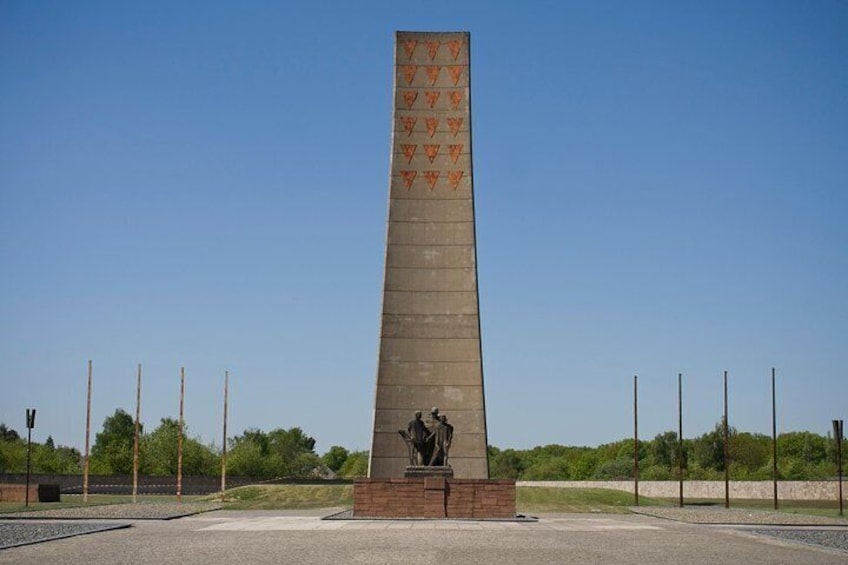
x=428, y=442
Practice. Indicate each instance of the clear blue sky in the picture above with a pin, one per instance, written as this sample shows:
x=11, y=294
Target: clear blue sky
x=661, y=188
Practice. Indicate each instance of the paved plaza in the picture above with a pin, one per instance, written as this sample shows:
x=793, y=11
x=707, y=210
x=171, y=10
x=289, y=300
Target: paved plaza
x=302, y=537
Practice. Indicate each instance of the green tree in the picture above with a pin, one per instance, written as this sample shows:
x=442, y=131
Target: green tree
x=112, y=452
x=12, y=456
x=59, y=460
x=355, y=466
x=278, y=453
x=161, y=452
x=335, y=458
x=506, y=464
x=8, y=434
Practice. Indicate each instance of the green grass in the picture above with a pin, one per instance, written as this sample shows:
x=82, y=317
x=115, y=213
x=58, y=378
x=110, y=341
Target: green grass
x=75, y=500
x=278, y=497
x=827, y=508
x=531, y=500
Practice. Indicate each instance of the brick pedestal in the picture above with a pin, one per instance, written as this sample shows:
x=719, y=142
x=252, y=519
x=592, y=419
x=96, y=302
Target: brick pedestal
x=433, y=497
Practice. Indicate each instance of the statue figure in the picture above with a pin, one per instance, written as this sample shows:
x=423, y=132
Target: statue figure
x=428, y=443
x=442, y=436
x=417, y=432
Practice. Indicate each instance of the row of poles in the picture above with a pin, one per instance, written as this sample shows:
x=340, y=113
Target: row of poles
x=837, y=434
x=179, y=489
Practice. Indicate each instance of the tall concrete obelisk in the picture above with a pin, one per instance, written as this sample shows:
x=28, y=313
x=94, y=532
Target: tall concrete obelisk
x=430, y=354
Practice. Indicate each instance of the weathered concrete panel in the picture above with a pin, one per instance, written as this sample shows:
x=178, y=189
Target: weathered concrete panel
x=447, y=398
x=459, y=233
x=422, y=280
x=408, y=326
x=430, y=349
x=430, y=256
x=429, y=303
x=430, y=211
x=459, y=373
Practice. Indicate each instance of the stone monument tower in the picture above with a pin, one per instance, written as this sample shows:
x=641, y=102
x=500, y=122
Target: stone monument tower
x=430, y=354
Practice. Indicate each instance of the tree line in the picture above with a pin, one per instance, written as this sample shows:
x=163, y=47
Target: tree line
x=281, y=453
x=801, y=456
x=257, y=454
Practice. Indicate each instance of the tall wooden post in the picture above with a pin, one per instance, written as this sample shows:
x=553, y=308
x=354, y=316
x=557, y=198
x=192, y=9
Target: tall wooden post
x=773, y=438
x=180, y=439
x=135, y=437
x=636, y=439
x=87, y=437
x=224, y=449
x=837, y=435
x=680, y=433
x=726, y=450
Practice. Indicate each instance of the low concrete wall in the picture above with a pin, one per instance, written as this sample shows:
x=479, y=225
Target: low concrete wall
x=786, y=490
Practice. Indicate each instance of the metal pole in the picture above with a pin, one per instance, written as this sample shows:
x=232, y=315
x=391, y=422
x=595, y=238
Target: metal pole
x=87, y=436
x=135, y=439
x=680, y=433
x=29, y=452
x=726, y=450
x=180, y=439
x=774, y=438
x=224, y=450
x=837, y=434
x=636, y=439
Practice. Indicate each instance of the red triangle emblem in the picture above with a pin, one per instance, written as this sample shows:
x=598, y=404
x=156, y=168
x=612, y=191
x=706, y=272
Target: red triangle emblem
x=432, y=177
x=432, y=49
x=432, y=97
x=432, y=151
x=455, y=152
x=408, y=151
x=454, y=124
x=432, y=125
x=455, y=98
x=456, y=73
x=408, y=178
x=453, y=178
x=409, y=73
x=409, y=46
x=408, y=124
x=409, y=98
x=455, y=46
x=433, y=74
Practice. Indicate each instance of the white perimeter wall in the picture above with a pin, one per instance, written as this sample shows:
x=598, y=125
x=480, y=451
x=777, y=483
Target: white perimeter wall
x=786, y=490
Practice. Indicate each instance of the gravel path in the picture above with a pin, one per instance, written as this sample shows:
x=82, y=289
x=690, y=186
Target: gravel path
x=13, y=534
x=833, y=539
x=737, y=516
x=156, y=511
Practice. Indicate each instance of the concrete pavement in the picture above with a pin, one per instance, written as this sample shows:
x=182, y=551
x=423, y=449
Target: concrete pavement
x=303, y=538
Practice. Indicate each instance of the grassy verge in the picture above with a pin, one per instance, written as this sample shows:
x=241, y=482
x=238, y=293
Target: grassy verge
x=75, y=500
x=827, y=508
x=531, y=500
x=277, y=497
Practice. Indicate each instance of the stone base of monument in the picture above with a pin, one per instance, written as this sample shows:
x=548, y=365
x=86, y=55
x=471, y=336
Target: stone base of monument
x=435, y=497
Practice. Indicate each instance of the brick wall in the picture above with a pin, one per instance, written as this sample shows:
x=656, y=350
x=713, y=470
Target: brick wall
x=434, y=497
x=17, y=493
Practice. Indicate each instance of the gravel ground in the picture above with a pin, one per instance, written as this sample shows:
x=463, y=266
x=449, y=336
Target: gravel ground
x=701, y=515
x=13, y=534
x=833, y=539
x=156, y=511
